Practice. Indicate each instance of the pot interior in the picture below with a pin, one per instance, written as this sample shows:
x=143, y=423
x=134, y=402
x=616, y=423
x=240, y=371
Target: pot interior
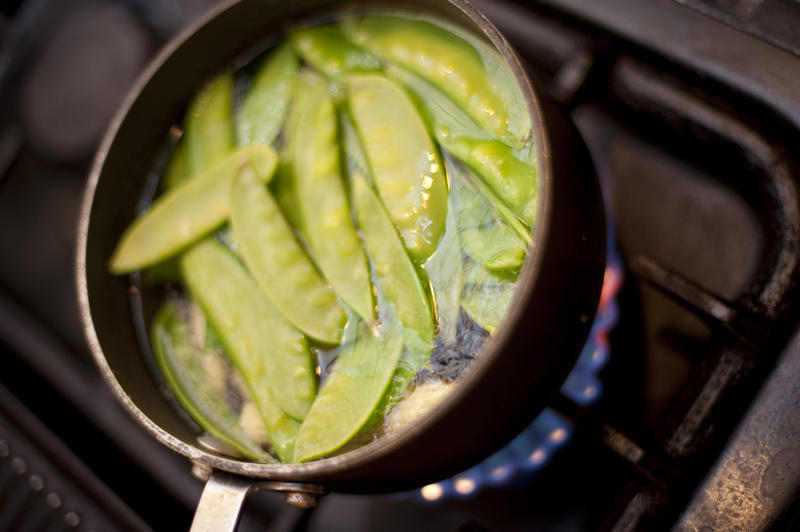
x=116, y=311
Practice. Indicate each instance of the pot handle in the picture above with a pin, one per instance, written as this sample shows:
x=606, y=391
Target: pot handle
x=223, y=497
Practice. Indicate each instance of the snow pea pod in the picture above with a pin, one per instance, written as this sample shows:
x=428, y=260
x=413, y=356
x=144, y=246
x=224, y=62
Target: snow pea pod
x=353, y=152
x=486, y=297
x=180, y=361
x=350, y=394
x=327, y=50
x=395, y=274
x=289, y=374
x=187, y=212
x=266, y=102
x=514, y=181
x=322, y=204
x=404, y=161
x=278, y=263
x=271, y=355
x=444, y=271
x=178, y=167
x=468, y=70
x=510, y=174
x=484, y=236
x=208, y=130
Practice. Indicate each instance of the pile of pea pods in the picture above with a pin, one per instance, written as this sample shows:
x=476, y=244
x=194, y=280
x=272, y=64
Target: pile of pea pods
x=332, y=215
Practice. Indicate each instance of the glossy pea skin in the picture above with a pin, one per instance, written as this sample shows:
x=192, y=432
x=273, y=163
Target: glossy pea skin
x=177, y=168
x=350, y=395
x=278, y=263
x=444, y=271
x=208, y=124
x=484, y=236
x=187, y=212
x=511, y=178
x=514, y=181
x=353, y=152
x=322, y=204
x=395, y=274
x=405, y=163
x=486, y=297
x=467, y=70
x=266, y=102
x=180, y=362
x=327, y=50
x=272, y=356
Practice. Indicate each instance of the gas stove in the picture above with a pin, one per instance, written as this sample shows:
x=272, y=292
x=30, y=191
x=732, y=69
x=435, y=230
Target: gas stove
x=691, y=111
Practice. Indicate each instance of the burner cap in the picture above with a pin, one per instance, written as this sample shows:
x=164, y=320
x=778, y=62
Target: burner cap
x=79, y=79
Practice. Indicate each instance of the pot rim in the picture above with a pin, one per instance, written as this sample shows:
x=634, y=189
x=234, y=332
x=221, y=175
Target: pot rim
x=305, y=472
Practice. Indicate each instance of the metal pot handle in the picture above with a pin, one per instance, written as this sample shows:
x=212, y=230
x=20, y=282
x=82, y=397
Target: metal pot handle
x=223, y=497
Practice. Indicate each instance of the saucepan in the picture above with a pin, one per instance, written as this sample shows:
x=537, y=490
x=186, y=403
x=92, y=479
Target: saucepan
x=521, y=366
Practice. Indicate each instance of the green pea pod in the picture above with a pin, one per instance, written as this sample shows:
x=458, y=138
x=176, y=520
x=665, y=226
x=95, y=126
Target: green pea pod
x=514, y=181
x=322, y=203
x=445, y=117
x=327, y=50
x=395, y=274
x=501, y=211
x=187, y=212
x=177, y=168
x=266, y=102
x=486, y=297
x=278, y=263
x=510, y=177
x=404, y=161
x=444, y=271
x=271, y=355
x=282, y=188
x=180, y=361
x=484, y=236
x=349, y=397
x=354, y=157
x=496, y=247
x=466, y=69
x=208, y=131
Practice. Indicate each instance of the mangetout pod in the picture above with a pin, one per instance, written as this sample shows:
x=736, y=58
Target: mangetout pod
x=523, y=363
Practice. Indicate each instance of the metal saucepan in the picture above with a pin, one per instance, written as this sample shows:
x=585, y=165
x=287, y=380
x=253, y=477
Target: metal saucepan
x=520, y=367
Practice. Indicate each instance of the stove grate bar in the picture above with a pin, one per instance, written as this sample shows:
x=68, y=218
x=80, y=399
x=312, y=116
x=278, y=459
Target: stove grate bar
x=750, y=329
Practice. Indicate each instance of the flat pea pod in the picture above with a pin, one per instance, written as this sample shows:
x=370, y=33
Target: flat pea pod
x=353, y=152
x=511, y=177
x=350, y=395
x=327, y=50
x=405, y=163
x=496, y=247
x=278, y=263
x=514, y=181
x=486, y=297
x=178, y=166
x=282, y=188
x=395, y=274
x=271, y=355
x=180, y=362
x=445, y=117
x=470, y=72
x=187, y=212
x=444, y=272
x=484, y=236
x=208, y=129
x=266, y=103
x=322, y=204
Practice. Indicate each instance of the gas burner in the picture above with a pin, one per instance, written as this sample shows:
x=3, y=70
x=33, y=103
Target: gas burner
x=534, y=447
